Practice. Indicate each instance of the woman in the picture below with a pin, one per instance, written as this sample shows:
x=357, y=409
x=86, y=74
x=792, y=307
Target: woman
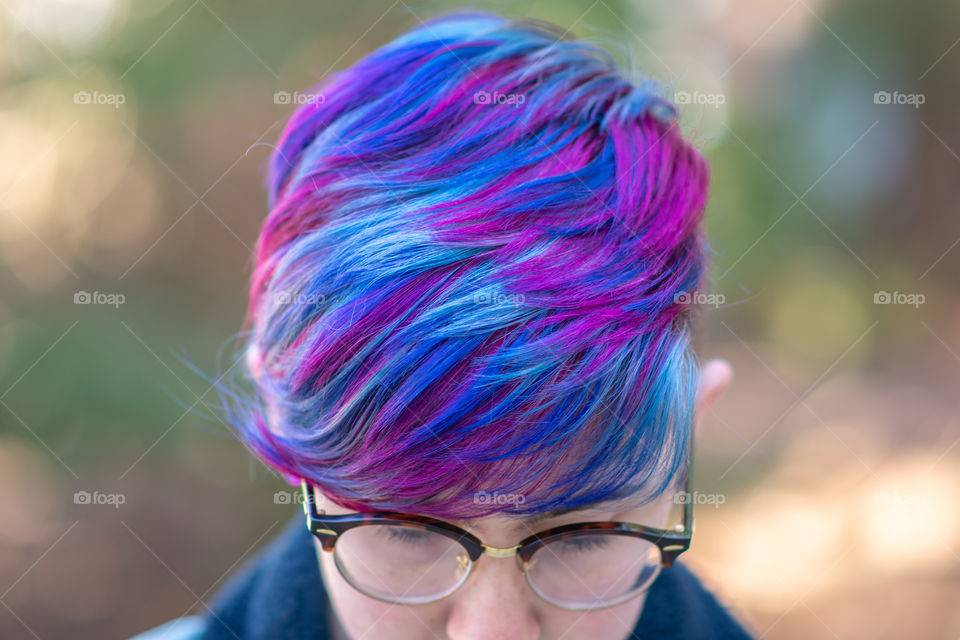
x=470, y=335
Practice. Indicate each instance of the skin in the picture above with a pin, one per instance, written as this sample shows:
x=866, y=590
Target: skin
x=495, y=601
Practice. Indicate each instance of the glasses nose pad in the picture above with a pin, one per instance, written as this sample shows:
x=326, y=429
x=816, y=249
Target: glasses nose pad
x=525, y=566
x=463, y=564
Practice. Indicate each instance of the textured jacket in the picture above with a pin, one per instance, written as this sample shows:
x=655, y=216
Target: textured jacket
x=279, y=595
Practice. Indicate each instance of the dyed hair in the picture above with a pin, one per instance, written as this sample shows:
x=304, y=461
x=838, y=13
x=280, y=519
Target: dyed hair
x=475, y=277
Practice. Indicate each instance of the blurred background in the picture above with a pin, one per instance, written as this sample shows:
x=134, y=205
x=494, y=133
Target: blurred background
x=133, y=136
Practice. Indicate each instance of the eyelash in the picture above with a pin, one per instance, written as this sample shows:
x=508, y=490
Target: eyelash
x=404, y=534
x=580, y=543
x=585, y=543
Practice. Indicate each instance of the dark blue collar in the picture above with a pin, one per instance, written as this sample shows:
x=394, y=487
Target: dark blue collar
x=279, y=595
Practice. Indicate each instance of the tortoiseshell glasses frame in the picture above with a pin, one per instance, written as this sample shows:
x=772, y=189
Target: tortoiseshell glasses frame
x=670, y=542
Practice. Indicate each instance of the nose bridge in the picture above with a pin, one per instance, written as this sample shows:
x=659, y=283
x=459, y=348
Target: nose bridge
x=496, y=601
x=499, y=552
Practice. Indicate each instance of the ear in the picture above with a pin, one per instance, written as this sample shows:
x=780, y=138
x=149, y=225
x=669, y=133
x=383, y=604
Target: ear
x=715, y=376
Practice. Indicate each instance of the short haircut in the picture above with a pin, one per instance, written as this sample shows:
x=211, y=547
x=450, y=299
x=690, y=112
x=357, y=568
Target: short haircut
x=476, y=277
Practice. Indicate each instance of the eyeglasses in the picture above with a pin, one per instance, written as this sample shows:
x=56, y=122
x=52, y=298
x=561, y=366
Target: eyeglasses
x=408, y=559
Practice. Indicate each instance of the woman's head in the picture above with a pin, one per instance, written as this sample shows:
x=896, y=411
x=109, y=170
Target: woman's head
x=472, y=301
x=475, y=277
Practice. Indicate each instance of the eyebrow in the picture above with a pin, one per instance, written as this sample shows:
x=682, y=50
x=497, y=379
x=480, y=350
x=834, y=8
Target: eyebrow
x=541, y=517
